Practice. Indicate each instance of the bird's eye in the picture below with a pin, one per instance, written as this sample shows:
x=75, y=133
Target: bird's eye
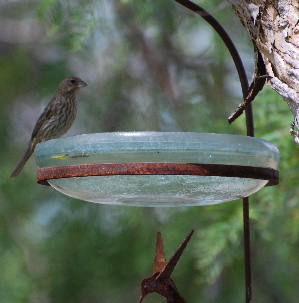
x=73, y=81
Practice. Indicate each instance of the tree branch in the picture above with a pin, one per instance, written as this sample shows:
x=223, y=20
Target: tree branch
x=273, y=27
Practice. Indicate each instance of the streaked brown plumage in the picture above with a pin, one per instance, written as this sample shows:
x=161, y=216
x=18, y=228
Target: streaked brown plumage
x=56, y=119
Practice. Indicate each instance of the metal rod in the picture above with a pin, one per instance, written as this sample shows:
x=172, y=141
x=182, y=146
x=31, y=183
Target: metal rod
x=247, y=254
x=157, y=168
x=249, y=126
x=226, y=39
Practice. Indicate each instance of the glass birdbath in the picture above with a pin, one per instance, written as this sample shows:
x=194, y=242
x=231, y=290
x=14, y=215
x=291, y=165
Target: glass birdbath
x=157, y=168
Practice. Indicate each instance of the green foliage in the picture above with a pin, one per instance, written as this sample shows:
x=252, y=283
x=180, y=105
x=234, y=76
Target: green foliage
x=217, y=245
x=69, y=20
x=16, y=284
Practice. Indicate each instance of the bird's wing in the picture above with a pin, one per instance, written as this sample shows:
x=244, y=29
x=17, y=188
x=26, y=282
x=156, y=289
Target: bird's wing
x=44, y=117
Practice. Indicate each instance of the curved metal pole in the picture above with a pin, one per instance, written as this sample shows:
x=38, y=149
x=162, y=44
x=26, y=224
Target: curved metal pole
x=249, y=126
x=234, y=53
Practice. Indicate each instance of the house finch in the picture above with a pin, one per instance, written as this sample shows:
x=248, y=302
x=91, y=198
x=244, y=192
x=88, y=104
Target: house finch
x=56, y=119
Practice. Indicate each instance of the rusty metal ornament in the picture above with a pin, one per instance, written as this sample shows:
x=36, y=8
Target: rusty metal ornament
x=160, y=282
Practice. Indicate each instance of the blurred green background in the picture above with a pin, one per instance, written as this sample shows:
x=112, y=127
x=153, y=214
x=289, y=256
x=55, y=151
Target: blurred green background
x=149, y=65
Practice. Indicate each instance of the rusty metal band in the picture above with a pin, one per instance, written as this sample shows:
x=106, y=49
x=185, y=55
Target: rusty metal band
x=157, y=168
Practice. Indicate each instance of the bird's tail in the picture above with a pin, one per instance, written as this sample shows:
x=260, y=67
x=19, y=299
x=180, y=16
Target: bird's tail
x=24, y=159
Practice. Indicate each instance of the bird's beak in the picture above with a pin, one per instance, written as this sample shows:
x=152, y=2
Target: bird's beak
x=81, y=84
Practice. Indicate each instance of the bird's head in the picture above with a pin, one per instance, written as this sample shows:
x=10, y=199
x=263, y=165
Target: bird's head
x=71, y=84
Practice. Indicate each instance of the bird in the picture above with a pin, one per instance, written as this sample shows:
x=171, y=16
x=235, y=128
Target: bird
x=56, y=119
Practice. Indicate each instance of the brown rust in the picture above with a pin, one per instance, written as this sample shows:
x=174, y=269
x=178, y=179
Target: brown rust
x=157, y=168
x=160, y=282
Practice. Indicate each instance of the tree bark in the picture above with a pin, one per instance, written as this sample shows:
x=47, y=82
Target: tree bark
x=273, y=26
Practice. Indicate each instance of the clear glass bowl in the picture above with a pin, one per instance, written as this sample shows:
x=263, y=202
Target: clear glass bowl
x=157, y=190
